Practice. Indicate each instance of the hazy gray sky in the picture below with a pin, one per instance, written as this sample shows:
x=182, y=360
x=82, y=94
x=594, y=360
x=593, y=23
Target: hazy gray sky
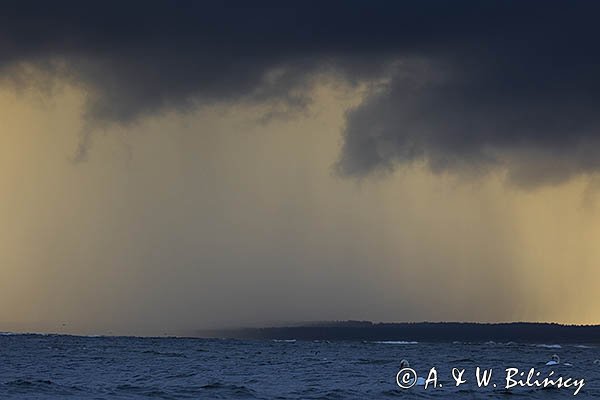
x=215, y=217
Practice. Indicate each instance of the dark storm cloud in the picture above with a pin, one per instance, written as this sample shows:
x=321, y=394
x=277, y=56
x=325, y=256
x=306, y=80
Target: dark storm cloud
x=137, y=58
x=540, y=121
x=471, y=83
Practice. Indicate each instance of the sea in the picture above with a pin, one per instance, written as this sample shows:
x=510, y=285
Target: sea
x=34, y=366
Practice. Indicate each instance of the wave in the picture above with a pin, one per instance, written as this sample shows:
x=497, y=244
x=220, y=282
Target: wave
x=463, y=360
x=367, y=361
x=163, y=353
x=36, y=387
x=25, y=382
x=394, y=342
x=229, y=389
x=549, y=346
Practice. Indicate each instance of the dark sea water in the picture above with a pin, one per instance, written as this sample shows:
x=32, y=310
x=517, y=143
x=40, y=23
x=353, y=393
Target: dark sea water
x=55, y=366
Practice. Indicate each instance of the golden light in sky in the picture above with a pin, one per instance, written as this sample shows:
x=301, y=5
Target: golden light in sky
x=219, y=206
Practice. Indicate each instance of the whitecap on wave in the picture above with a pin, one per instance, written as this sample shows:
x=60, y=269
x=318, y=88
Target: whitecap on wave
x=549, y=346
x=394, y=342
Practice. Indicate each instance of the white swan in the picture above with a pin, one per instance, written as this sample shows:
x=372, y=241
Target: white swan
x=420, y=380
x=555, y=360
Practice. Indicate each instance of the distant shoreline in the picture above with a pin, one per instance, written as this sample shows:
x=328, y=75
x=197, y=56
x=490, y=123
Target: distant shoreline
x=519, y=332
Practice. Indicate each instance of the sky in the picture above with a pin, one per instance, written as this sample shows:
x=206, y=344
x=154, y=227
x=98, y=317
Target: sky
x=173, y=166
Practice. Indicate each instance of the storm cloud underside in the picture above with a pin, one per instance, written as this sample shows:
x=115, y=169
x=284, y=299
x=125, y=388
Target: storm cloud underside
x=467, y=85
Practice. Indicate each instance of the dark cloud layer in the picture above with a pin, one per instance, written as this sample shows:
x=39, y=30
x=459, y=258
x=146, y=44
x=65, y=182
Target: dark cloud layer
x=471, y=83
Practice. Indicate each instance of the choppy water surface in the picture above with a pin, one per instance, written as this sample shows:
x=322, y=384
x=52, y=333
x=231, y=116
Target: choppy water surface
x=54, y=366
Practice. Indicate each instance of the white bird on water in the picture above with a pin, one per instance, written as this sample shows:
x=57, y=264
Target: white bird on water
x=420, y=380
x=555, y=360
